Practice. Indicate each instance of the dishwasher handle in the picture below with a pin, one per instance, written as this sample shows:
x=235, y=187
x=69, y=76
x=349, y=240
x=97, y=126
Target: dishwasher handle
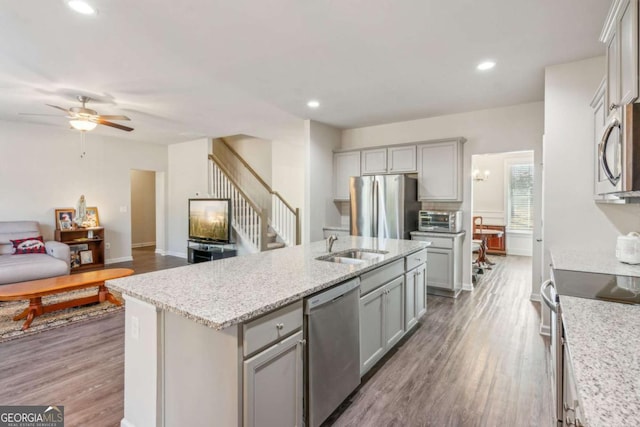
x=318, y=300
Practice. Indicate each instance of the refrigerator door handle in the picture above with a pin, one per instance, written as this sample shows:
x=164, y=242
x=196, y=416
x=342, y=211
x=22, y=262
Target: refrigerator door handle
x=374, y=225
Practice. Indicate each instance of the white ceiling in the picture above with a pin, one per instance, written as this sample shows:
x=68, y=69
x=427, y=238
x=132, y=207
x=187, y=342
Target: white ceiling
x=184, y=69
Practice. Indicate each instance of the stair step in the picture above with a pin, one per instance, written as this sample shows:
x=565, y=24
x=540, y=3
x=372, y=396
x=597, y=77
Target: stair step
x=275, y=245
x=271, y=234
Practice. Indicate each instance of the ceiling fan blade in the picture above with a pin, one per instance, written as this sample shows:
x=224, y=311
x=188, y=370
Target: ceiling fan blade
x=59, y=108
x=36, y=114
x=108, y=117
x=113, y=125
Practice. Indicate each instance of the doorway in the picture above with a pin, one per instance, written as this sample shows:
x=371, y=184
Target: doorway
x=502, y=209
x=143, y=213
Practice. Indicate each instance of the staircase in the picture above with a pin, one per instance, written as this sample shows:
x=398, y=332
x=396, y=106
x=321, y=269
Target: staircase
x=261, y=218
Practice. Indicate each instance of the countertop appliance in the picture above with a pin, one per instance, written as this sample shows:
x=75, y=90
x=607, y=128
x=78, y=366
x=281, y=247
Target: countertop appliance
x=628, y=248
x=332, y=329
x=440, y=221
x=618, y=163
x=383, y=206
x=606, y=287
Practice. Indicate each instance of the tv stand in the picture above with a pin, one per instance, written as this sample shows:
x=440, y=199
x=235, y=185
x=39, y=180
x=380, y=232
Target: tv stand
x=199, y=251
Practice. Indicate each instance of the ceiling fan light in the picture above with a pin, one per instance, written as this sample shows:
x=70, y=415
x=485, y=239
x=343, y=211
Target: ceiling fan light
x=82, y=124
x=81, y=6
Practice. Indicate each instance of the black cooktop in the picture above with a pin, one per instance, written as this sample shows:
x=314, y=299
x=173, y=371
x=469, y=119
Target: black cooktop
x=606, y=287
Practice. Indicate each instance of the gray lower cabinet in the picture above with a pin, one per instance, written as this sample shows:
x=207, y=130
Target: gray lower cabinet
x=381, y=322
x=445, y=262
x=415, y=293
x=441, y=268
x=273, y=385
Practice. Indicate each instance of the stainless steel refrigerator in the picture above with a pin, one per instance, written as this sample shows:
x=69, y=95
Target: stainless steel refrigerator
x=383, y=206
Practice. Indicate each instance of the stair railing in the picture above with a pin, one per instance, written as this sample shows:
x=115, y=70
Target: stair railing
x=283, y=218
x=249, y=221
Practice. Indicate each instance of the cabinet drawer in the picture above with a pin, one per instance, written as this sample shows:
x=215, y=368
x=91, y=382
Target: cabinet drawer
x=415, y=259
x=440, y=242
x=268, y=329
x=378, y=277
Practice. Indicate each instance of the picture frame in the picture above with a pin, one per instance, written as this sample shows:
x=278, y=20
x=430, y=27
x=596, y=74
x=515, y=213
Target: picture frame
x=86, y=257
x=65, y=215
x=92, y=217
x=66, y=225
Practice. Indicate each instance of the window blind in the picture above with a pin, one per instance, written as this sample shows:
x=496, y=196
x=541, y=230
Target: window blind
x=521, y=196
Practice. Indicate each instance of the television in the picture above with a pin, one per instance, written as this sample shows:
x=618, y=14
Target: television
x=210, y=220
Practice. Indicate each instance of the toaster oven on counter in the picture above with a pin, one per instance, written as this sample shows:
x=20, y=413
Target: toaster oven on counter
x=442, y=221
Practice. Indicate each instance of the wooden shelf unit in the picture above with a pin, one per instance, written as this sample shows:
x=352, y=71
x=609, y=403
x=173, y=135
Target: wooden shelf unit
x=80, y=236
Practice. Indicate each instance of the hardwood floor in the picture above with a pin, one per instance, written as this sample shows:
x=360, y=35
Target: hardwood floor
x=474, y=361
x=80, y=366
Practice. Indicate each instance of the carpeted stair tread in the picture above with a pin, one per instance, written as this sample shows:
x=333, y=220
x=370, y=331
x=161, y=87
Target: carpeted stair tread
x=275, y=245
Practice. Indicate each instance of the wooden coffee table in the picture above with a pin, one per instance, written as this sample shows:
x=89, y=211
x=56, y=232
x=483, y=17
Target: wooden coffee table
x=34, y=290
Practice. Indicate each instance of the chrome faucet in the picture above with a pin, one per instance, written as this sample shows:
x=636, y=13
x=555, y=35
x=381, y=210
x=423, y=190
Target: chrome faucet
x=332, y=238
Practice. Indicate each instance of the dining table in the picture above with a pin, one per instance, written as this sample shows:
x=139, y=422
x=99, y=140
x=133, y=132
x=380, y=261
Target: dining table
x=482, y=252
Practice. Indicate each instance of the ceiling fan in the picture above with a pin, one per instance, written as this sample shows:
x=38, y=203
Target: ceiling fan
x=86, y=119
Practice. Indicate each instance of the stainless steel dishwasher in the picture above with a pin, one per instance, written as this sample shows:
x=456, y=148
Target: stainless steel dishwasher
x=333, y=349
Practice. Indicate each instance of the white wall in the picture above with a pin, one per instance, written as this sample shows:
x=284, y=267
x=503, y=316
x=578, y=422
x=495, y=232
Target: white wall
x=188, y=178
x=514, y=128
x=255, y=151
x=323, y=139
x=143, y=208
x=571, y=217
x=41, y=170
x=569, y=159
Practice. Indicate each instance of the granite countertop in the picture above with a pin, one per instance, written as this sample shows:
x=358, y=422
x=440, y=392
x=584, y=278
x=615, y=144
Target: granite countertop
x=225, y=292
x=591, y=260
x=426, y=233
x=604, y=347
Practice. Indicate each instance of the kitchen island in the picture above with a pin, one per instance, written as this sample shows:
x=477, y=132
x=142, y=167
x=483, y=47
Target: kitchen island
x=603, y=344
x=197, y=336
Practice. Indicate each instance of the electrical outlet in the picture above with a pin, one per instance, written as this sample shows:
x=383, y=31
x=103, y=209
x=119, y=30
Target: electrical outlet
x=107, y=245
x=135, y=328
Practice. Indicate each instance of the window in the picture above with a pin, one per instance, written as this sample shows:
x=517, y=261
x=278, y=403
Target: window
x=520, y=196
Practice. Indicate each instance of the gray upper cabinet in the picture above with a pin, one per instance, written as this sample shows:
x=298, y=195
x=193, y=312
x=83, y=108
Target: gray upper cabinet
x=345, y=165
x=620, y=36
x=401, y=159
x=440, y=171
x=374, y=161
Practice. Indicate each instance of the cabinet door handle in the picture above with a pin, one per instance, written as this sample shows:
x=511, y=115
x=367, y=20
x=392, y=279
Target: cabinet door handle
x=279, y=325
x=302, y=342
x=613, y=106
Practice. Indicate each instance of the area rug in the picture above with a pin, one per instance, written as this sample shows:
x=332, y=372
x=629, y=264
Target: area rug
x=10, y=329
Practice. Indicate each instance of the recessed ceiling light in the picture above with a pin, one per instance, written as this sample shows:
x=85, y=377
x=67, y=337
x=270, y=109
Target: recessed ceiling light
x=313, y=104
x=486, y=65
x=81, y=7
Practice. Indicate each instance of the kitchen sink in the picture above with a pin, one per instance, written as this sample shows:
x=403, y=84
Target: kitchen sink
x=354, y=256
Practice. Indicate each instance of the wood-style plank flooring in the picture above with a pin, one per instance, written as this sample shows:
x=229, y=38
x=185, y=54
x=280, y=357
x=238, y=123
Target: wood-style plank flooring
x=80, y=366
x=474, y=361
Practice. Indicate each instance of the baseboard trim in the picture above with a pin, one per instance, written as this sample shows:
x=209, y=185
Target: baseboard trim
x=545, y=330
x=142, y=245
x=535, y=297
x=116, y=260
x=125, y=423
x=520, y=252
x=178, y=254
x=161, y=252
x=467, y=287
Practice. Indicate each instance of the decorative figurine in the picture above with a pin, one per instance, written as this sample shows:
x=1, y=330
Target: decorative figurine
x=81, y=212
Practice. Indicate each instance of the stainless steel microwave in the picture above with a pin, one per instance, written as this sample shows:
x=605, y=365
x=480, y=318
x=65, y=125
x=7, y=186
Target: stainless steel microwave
x=618, y=170
x=444, y=221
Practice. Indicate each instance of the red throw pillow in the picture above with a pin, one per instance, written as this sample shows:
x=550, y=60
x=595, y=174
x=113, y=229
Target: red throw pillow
x=30, y=245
